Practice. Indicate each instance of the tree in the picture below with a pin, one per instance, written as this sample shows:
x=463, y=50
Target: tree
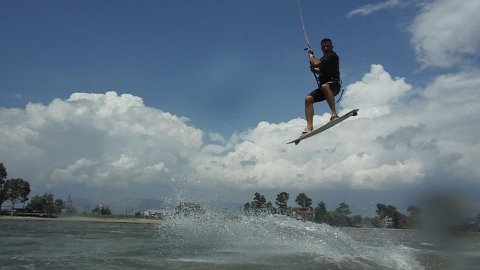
x=3, y=176
x=343, y=209
x=102, y=210
x=281, y=202
x=3, y=172
x=340, y=215
x=390, y=217
x=321, y=213
x=303, y=200
x=270, y=208
x=385, y=210
x=399, y=220
x=259, y=202
x=16, y=190
x=42, y=204
x=258, y=206
x=385, y=214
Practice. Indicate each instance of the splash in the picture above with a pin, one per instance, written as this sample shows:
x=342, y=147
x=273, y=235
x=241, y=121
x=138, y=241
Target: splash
x=272, y=242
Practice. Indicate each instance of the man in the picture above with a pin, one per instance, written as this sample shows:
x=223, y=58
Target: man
x=328, y=80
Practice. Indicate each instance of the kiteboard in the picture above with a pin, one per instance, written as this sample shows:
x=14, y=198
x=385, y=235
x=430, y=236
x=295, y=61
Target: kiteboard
x=325, y=127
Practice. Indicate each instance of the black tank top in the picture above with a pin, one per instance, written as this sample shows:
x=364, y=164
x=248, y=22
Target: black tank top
x=330, y=68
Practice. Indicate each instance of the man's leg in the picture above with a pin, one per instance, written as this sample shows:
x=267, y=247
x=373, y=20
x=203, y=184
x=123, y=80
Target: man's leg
x=330, y=99
x=309, y=111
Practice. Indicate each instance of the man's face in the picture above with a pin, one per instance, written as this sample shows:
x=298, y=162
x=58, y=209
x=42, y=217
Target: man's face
x=326, y=46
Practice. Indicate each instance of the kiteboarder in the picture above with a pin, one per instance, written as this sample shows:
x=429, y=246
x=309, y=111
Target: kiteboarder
x=327, y=74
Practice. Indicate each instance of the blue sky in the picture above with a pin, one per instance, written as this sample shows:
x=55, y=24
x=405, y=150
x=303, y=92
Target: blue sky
x=209, y=92
x=223, y=64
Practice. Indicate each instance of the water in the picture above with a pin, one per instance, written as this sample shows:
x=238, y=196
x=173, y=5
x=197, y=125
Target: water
x=215, y=241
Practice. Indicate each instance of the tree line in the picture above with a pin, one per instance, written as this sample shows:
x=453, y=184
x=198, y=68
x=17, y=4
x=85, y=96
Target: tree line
x=387, y=215
x=17, y=190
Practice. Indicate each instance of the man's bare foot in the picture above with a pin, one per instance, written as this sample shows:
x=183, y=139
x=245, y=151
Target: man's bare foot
x=307, y=130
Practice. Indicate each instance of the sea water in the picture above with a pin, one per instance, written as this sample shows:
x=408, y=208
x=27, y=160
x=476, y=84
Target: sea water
x=219, y=241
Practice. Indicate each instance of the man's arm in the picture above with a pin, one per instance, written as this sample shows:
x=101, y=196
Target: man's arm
x=314, y=62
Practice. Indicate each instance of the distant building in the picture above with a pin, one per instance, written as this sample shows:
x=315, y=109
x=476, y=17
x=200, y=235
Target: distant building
x=303, y=213
x=153, y=213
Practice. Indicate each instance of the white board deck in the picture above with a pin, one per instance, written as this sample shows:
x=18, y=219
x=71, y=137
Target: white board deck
x=326, y=126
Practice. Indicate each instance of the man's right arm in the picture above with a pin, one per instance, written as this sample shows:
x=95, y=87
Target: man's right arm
x=314, y=62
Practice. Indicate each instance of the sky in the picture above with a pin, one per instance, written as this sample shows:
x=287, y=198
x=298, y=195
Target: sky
x=197, y=99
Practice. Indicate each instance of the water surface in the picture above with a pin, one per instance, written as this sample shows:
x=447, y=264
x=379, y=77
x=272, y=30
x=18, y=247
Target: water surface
x=224, y=242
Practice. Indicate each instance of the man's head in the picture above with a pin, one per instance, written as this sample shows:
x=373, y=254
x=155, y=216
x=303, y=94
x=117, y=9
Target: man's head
x=326, y=45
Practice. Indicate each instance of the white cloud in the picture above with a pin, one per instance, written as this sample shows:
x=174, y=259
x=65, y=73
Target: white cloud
x=216, y=137
x=446, y=33
x=453, y=110
x=96, y=139
x=124, y=163
x=370, y=8
x=79, y=170
x=376, y=89
x=107, y=139
x=393, y=141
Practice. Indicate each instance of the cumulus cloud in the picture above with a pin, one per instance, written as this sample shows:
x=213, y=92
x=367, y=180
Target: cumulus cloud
x=96, y=139
x=111, y=139
x=446, y=33
x=376, y=89
x=453, y=109
x=342, y=156
x=393, y=142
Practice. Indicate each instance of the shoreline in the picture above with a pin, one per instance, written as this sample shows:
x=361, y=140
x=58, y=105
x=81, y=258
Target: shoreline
x=113, y=219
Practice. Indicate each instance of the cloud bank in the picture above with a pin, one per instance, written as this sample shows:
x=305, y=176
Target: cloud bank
x=96, y=139
x=393, y=142
x=111, y=139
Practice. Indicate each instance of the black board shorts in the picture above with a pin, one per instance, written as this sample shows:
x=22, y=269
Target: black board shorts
x=318, y=95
